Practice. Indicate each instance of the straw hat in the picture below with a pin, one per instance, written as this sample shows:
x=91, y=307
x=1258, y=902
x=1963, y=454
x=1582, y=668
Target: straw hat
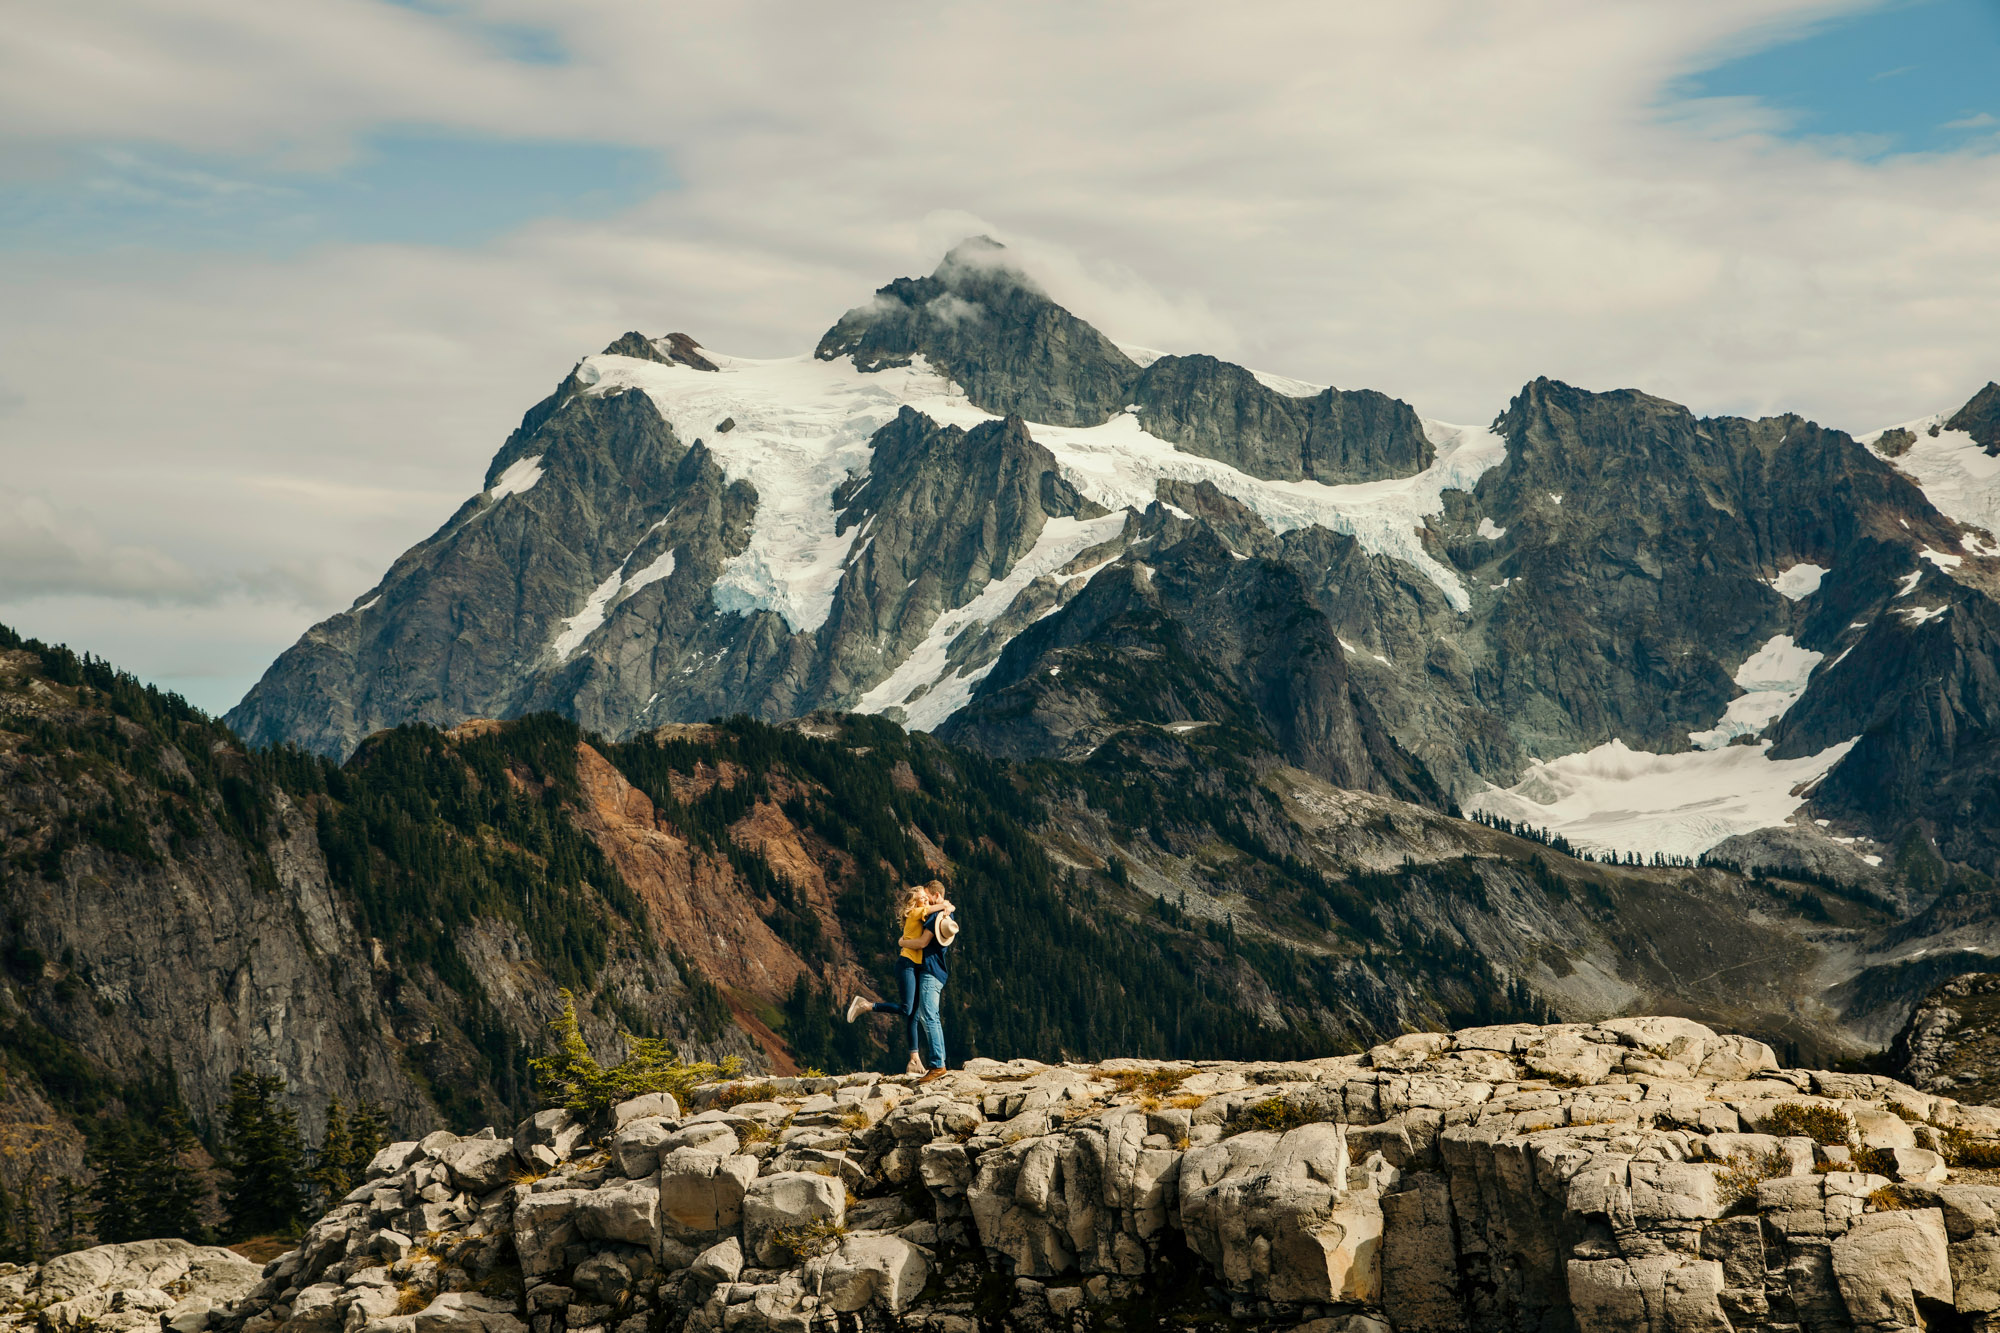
x=946, y=930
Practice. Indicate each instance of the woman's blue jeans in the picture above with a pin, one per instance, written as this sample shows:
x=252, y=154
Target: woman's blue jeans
x=919, y=992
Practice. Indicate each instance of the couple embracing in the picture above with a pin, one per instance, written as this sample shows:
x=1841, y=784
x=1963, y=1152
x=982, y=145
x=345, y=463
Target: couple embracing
x=921, y=967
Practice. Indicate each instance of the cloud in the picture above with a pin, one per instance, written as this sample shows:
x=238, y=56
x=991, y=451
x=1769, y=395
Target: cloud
x=45, y=551
x=1437, y=200
x=1984, y=120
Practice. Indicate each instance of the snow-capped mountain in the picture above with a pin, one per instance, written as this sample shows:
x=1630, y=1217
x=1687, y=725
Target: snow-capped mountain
x=971, y=511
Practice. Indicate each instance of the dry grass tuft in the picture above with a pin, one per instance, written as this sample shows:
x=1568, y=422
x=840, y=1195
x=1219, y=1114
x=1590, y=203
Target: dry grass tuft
x=808, y=1240
x=1740, y=1176
x=1150, y=1082
x=738, y=1093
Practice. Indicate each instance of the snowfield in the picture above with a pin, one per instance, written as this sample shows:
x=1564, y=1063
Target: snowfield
x=1618, y=799
x=1772, y=681
x=1615, y=799
x=1959, y=478
x=802, y=427
x=1800, y=581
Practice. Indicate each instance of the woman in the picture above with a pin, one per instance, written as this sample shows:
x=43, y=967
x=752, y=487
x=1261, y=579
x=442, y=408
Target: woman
x=921, y=969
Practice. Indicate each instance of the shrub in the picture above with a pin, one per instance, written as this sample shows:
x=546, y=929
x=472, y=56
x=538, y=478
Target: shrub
x=1963, y=1150
x=808, y=1240
x=569, y=1075
x=1822, y=1124
x=1740, y=1176
x=1187, y=1101
x=1273, y=1113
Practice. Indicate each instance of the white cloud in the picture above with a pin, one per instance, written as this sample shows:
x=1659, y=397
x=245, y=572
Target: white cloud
x=43, y=550
x=1437, y=200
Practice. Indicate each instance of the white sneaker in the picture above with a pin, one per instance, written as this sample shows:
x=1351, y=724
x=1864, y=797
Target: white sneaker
x=858, y=1006
x=916, y=1065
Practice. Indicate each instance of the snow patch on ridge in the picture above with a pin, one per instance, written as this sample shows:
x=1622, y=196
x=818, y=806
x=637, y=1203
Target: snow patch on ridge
x=520, y=475
x=1800, y=581
x=802, y=426
x=661, y=567
x=1061, y=541
x=585, y=622
x=1616, y=799
x=1958, y=477
x=1773, y=679
x=1288, y=386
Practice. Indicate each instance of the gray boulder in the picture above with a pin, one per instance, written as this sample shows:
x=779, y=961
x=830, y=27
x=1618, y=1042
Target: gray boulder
x=787, y=1200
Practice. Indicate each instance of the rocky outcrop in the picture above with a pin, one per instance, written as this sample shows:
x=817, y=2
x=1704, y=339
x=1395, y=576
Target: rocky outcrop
x=1222, y=411
x=1952, y=1042
x=461, y=623
x=1980, y=418
x=989, y=327
x=135, y=1287
x=1185, y=637
x=1640, y=1174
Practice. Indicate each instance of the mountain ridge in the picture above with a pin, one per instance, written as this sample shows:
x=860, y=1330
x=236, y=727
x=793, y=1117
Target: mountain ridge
x=677, y=534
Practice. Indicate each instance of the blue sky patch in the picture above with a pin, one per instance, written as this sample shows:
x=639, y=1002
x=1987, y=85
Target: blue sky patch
x=1910, y=76
x=408, y=186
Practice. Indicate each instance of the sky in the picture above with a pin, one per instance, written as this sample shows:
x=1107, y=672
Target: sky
x=279, y=279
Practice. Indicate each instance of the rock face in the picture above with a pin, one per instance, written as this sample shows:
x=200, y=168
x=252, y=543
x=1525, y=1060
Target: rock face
x=1952, y=1042
x=1643, y=1173
x=1190, y=637
x=135, y=1287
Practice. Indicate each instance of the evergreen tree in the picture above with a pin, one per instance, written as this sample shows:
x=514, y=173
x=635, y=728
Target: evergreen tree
x=118, y=1158
x=173, y=1195
x=28, y=1228
x=345, y=1148
x=69, y=1216
x=332, y=1165
x=368, y=1132
x=264, y=1156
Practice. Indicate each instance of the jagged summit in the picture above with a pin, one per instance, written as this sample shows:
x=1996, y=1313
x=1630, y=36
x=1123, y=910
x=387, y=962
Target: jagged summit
x=1980, y=418
x=984, y=324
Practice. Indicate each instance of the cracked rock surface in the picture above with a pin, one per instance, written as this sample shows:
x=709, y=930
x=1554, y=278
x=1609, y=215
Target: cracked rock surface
x=1636, y=1174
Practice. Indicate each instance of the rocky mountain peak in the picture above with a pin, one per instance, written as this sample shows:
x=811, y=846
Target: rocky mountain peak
x=676, y=349
x=982, y=322
x=1980, y=418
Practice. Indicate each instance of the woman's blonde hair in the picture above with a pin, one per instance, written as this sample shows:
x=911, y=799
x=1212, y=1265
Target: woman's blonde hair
x=913, y=898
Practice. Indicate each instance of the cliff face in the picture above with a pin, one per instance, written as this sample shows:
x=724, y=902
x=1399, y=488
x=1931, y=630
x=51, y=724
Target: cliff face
x=1951, y=1045
x=1641, y=1174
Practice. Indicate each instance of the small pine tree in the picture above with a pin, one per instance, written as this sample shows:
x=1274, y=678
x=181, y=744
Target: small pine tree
x=333, y=1164
x=264, y=1156
x=569, y=1076
x=345, y=1148
x=367, y=1134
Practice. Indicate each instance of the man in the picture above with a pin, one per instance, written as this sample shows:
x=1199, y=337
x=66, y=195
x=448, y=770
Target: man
x=922, y=968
